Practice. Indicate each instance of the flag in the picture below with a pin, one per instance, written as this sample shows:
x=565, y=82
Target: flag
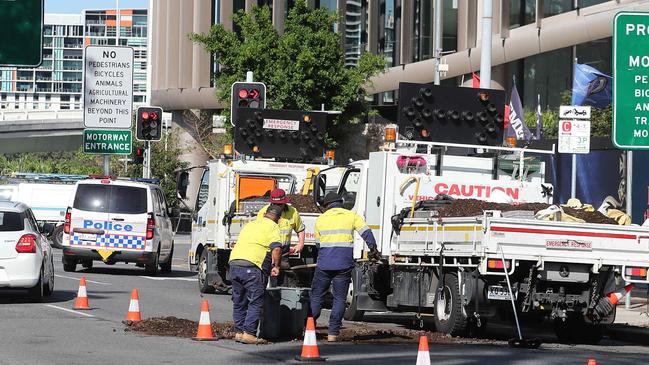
x=475, y=80
x=539, y=117
x=517, y=127
x=591, y=87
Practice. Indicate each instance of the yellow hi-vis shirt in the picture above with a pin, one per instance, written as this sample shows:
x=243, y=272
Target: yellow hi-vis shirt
x=334, y=235
x=289, y=221
x=256, y=240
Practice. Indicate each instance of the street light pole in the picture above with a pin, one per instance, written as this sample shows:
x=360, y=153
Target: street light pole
x=485, y=54
x=437, y=46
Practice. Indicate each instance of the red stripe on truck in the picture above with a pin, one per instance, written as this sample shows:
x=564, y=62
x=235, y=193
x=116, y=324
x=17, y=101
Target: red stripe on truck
x=572, y=233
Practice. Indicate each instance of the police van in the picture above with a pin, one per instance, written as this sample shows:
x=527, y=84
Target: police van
x=114, y=220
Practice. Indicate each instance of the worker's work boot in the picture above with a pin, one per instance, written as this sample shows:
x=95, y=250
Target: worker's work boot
x=252, y=340
x=237, y=336
x=332, y=338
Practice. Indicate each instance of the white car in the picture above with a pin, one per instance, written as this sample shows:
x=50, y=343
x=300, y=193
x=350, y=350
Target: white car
x=25, y=253
x=114, y=220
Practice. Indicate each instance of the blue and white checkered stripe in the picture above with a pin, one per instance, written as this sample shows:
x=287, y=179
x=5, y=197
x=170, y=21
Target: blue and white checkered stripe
x=112, y=241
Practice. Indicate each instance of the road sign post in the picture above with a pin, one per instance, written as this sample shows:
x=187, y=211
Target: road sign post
x=108, y=100
x=21, y=39
x=630, y=81
x=574, y=136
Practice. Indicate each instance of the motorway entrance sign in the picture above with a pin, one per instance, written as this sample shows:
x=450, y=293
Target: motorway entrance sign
x=21, y=38
x=107, y=141
x=631, y=80
x=108, y=87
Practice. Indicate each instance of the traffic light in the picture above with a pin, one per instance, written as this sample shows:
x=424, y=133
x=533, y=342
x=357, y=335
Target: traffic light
x=139, y=156
x=289, y=135
x=247, y=95
x=148, y=124
x=451, y=114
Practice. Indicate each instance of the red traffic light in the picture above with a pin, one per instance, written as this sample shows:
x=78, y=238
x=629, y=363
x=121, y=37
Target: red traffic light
x=254, y=93
x=154, y=115
x=139, y=152
x=145, y=115
x=243, y=93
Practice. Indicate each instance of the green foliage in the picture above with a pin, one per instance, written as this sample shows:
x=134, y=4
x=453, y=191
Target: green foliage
x=164, y=162
x=302, y=68
x=601, y=119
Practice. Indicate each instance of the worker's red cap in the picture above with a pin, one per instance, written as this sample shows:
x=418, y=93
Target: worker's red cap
x=278, y=196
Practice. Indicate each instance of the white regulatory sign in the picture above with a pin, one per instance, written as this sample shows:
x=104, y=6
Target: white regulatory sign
x=108, y=87
x=290, y=125
x=574, y=136
x=574, y=112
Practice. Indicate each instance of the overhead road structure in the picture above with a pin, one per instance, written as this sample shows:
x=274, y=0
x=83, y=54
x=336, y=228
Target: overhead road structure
x=40, y=130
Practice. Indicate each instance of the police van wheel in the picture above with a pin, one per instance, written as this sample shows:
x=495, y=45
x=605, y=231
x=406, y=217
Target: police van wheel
x=203, y=286
x=69, y=265
x=57, y=237
x=166, y=267
x=152, y=268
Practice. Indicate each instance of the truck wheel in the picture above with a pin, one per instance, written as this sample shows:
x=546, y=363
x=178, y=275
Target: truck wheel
x=449, y=318
x=152, y=268
x=57, y=237
x=352, y=313
x=69, y=264
x=203, y=285
x=166, y=267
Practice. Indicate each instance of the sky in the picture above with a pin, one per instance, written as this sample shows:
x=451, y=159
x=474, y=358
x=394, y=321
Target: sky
x=76, y=6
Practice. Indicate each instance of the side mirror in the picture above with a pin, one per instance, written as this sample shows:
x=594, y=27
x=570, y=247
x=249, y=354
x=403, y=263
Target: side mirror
x=319, y=189
x=182, y=182
x=47, y=228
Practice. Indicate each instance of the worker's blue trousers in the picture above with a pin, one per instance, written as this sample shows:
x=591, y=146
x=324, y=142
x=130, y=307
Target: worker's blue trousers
x=339, y=280
x=248, y=286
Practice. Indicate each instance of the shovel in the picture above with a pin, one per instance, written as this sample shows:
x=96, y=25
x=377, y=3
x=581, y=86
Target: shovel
x=520, y=342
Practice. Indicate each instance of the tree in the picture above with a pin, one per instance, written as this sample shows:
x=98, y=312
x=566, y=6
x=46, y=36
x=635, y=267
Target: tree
x=303, y=68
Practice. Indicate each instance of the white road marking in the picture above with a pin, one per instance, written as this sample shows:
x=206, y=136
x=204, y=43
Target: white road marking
x=69, y=310
x=77, y=279
x=160, y=279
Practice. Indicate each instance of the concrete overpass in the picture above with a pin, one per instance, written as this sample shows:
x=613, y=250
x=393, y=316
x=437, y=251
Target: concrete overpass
x=40, y=130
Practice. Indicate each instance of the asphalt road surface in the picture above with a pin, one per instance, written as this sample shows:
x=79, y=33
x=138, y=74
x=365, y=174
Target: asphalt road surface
x=53, y=333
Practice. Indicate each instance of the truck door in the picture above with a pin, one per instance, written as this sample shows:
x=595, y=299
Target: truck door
x=199, y=223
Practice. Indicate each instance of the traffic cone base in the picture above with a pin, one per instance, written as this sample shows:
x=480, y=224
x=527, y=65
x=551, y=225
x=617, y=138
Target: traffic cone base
x=615, y=296
x=423, y=356
x=134, y=308
x=81, y=304
x=310, y=347
x=204, y=332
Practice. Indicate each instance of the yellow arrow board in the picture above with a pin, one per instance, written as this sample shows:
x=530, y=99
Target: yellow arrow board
x=105, y=254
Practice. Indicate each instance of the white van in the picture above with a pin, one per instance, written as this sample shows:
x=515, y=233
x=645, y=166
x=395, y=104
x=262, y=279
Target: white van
x=113, y=220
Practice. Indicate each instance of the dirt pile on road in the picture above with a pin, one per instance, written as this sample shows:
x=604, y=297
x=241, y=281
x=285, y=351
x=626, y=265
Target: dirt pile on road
x=176, y=327
x=473, y=207
x=303, y=203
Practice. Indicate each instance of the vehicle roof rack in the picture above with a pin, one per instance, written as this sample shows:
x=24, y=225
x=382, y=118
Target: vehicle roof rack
x=45, y=177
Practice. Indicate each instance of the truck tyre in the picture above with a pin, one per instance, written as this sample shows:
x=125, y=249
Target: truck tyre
x=69, y=264
x=352, y=313
x=449, y=318
x=57, y=237
x=166, y=267
x=152, y=267
x=203, y=285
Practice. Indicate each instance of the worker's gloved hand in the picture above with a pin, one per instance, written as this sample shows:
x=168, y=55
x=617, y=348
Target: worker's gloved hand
x=374, y=255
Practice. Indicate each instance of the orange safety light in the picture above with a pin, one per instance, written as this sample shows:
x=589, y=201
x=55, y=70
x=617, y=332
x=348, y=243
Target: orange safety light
x=227, y=149
x=306, y=118
x=483, y=96
x=510, y=141
x=330, y=154
x=425, y=133
x=390, y=134
x=256, y=149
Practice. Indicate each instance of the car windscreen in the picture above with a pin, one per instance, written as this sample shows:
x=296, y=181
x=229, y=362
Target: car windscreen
x=110, y=199
x=11, y=221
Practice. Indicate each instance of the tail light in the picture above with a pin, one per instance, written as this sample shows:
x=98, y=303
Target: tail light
x=68, y=220
x=636, y=272
x=497, y=264
x=26, y=244
x=150, y=226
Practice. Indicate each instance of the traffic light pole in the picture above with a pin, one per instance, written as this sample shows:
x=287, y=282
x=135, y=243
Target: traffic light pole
x=146, y=166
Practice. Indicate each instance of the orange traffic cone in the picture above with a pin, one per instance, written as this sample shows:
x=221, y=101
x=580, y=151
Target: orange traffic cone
x=82, y=296
x=134, y=308
x=310, y=347
x=615, y=296
x=423, y=356
x=592, y=362
x=204, y=332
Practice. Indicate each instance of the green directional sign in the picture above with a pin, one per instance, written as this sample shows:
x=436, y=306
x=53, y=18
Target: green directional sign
x=631, y=80
x=107, y=141
x=21, y=38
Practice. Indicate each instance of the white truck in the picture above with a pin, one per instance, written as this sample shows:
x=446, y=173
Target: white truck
x=449, y=267
x=47, y=195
